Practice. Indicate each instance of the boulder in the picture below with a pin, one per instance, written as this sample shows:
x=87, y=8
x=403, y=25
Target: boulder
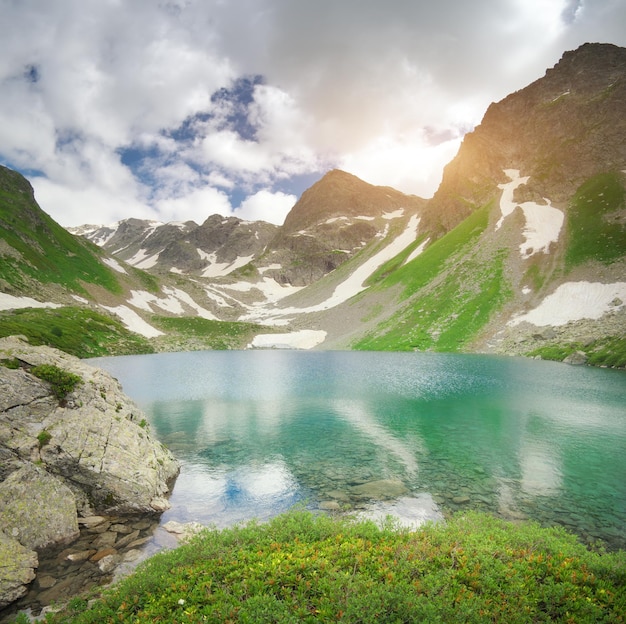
x=37, y=509
x=17, y=569
x=97, y=441
x=578, y=358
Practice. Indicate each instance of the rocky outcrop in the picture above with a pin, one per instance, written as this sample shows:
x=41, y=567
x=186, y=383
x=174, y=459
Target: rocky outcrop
x=71, y=455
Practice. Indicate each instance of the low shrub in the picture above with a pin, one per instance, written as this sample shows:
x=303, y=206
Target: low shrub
x=305, y=568
x=61, y=381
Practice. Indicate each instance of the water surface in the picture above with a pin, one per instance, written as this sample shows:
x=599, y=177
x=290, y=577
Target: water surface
x=259, y=431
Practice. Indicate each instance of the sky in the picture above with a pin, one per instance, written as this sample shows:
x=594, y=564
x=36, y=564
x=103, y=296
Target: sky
x=175, y=110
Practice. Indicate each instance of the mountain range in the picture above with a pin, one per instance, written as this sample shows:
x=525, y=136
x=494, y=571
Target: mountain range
x=521, y=250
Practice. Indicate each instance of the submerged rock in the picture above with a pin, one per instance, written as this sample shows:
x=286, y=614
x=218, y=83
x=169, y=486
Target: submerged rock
x=382, y=489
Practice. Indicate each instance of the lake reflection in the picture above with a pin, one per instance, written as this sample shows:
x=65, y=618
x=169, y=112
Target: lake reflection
x=259, y=431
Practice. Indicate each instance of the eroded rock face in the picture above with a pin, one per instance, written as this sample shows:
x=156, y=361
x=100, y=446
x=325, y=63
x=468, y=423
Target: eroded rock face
x=88, y=452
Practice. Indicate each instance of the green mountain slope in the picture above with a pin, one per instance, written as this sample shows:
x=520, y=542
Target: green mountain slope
x=36, y=250
x=449, y=293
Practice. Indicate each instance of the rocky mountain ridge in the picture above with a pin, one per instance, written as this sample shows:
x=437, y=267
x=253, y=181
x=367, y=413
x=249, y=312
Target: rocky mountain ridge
x=333, y=220
x=530, y=210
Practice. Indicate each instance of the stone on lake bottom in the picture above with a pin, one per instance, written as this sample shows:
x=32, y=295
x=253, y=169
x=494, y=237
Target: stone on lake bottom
x=83, y=555
x=380, y=490
x=460, y=500
x=330, y=506
x=102, y=553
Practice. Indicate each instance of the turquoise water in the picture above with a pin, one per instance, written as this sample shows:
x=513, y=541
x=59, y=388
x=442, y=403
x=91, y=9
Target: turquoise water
x=259, y=431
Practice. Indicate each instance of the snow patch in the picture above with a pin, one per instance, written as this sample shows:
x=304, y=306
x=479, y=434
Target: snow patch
x=217, y=298
x=303, y=339
x=220, y=269
x=9, y=302
x=181, y=295
x=354, y=282
x=396, y=214
x=417, y=251
x=115, y=265
x=543, y=222
x=574, y=301
x=172, y=303
x=271, y=289
x=142, y=260
x=132, y=321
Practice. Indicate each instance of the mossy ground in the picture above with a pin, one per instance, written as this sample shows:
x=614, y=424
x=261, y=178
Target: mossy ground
x=46, y=252
x=595, y=231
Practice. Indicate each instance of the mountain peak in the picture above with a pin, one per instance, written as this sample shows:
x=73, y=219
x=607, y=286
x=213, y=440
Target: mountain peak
x=560, y=130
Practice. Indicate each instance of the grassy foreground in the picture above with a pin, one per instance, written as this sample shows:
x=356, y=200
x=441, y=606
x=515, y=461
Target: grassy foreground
x=305, y=568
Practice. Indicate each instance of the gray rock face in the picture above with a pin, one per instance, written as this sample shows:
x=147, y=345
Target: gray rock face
x=17, y=569
x=27, y=514
x=91, y=452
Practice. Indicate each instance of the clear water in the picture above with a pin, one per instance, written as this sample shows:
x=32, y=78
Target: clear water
x=259, y=431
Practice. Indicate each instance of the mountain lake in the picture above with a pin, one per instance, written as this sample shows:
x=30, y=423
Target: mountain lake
x=412, y=435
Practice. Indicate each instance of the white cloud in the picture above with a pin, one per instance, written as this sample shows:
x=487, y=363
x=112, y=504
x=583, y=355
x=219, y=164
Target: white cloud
x=403, y=162
x=196, y=206
x=76, y=206
x=362, y=84
x=266, y=206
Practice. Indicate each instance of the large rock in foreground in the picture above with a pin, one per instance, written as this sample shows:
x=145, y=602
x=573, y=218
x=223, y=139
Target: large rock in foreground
x=70, y=453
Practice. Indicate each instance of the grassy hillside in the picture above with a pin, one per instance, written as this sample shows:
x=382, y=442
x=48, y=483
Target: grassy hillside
x=186, y=333
x=77, y=331
x=305, y=568
x=449, y=293
x=596, y=221
x=35, y=248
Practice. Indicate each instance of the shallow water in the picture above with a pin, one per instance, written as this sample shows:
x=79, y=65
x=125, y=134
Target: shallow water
x=259, y=431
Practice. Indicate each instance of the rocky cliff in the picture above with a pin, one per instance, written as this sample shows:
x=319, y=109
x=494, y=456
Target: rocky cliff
x=561, y=130
x=72, y=444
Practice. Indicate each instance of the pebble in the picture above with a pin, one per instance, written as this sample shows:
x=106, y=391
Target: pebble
x=102, y=553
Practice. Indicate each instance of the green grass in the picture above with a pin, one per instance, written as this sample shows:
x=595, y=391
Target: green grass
x=47, y=252
x=305, y=568
x=395, y=263
x=428, y=265
x=209, y=333
x=591, y=233
x=454, y=294
x=608, y=351
x=75, y=330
